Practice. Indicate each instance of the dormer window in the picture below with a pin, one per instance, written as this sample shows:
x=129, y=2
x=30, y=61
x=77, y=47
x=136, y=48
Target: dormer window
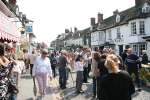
x=117, y=18
x=146, y=8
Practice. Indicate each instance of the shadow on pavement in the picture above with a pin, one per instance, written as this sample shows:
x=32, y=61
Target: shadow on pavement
x=51, y=90
x=88, y=92
x=29, y=99
x=26, y=77
x=135, y=94
x=69, y=93
x=147, y=89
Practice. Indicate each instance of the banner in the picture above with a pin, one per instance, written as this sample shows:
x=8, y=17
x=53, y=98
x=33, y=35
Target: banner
x=29, y=28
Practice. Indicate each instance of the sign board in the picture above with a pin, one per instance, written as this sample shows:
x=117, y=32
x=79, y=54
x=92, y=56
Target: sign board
x=29, y=28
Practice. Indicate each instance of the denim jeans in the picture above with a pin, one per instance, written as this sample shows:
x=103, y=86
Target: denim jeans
x=62, y=77
x=94, y=86
x=13, y=97
x=79, y=80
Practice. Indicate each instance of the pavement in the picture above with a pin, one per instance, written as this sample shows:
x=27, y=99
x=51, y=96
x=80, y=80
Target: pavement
x=54, y=93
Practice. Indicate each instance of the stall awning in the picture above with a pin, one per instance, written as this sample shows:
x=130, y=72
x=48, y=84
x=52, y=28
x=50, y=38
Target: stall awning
x=8, y=29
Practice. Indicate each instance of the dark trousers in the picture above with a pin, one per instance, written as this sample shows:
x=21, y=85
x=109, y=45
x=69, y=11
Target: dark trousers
x=31, y=67
x=89, y=69
x=98, y=87
x=62, y=77
x=85, y=74
x=26, y=61
x=94, y=86
x=79, y=80
x=54, y=70
x=135, y=71
x=67, y=73
x=13, y=97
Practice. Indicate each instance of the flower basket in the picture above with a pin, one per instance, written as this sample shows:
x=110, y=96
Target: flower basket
x=145, y=74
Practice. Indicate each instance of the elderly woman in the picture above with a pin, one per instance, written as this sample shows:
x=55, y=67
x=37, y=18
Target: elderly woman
x=117, y=85
x=42, y=69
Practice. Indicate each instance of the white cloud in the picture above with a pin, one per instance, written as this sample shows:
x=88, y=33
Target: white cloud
x=51, y=17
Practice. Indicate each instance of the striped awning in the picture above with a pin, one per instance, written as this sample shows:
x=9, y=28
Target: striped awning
x=8, y=30
x=9, y=37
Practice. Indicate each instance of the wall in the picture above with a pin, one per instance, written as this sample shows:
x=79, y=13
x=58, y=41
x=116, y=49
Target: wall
x=148, y=50
x=97, y=38
x=78, y=41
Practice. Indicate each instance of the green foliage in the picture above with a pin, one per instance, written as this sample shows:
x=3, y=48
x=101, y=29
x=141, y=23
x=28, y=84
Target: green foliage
x=145, y=74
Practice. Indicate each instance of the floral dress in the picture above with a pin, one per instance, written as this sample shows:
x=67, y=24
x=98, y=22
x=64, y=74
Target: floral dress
x=4, y=81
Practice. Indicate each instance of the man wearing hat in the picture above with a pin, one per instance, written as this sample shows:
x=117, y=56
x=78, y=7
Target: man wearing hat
x=62, y=70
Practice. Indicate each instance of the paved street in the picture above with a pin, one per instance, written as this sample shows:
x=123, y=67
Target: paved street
x=53, y=93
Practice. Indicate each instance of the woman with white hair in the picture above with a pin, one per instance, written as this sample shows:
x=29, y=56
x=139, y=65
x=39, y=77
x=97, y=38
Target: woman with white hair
x=42, y=69
x=144, y=57
x=117, y=85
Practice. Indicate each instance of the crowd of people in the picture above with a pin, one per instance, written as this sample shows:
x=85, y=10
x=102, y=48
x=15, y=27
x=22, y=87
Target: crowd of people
x=111, y=73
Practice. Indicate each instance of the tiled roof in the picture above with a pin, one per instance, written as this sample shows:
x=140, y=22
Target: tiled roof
x=85, y=31
x=125, y=16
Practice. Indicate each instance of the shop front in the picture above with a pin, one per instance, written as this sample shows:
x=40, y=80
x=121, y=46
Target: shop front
x=8, y=30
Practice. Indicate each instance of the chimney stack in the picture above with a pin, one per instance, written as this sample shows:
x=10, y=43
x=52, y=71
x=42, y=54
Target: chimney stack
x=140, y=2
x=66, y=30
x=116, y=12
x=99, y=17
x=75, y=29
x=92, y=21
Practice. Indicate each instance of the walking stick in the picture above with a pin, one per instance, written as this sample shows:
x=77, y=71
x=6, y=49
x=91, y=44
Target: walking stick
x=71, y=76
x=34, y=87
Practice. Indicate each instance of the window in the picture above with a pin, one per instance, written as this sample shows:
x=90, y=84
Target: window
x=142, y=28
x=133, y=28
x=135, y=48
x=118, y=33
x=109, y=35
x=142, y=46
x=147, y=9
x=101, y=36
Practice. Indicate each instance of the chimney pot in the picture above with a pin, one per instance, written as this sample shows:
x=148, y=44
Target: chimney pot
x=75, y=29
x=66, y=30
x=140, y=2
x=100, y=17
x=116, y=12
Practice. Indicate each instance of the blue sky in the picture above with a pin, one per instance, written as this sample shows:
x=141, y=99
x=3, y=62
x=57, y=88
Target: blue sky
x=51, y=17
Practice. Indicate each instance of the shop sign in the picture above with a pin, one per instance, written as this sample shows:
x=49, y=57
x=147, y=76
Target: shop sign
x=29, y=28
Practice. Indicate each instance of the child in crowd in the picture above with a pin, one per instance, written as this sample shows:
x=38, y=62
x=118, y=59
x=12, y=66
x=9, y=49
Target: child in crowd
x=79, y=69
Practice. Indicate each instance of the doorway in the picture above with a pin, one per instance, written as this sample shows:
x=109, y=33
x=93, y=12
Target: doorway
x=120, y=49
